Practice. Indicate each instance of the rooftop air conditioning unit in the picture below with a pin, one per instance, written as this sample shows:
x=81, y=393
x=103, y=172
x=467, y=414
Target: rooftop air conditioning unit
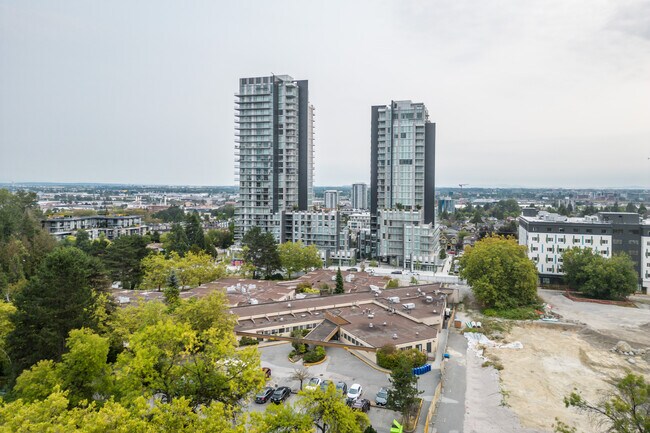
x=394, y=336
x=370, y=325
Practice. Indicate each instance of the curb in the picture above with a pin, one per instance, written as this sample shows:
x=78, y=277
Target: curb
x=309, y=364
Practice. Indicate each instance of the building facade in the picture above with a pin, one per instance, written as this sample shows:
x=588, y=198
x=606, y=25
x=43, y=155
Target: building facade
x=331, y=199
x=274, y=151
x=402, y=184
x=110, y=227
x=547, y=236
x=359, y=197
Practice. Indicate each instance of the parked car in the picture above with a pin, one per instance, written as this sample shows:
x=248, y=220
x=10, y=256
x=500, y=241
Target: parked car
x=354, y=393
x=264, y=395
x=267, y=372
x=343, y=387
x=324, y=384
x=397, y=272
x=382, y=397
x=361, y=404
x=280, y=394
x=313, y=383
x=353, y=270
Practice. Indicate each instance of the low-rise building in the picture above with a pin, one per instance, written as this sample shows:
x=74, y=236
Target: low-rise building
x=111, y=227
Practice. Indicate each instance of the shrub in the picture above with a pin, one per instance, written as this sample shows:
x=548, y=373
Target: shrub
x=248, y=341
x=373, y=263
x=314, y=355
x=298, y=346
x=389, y=357
x=392, y=284
x=325, y=289
x=303, y=287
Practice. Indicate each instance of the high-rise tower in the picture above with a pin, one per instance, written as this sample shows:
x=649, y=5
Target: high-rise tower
x=274, y=151
x=402, y=171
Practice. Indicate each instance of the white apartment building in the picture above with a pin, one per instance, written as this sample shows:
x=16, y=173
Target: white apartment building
x=547, y=236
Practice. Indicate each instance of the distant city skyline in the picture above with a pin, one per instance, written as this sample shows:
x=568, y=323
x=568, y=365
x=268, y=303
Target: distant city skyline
x=524, y=94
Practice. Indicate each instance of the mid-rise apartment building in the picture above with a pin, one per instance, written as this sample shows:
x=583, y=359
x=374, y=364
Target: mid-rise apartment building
x=359, y=197
x=110, y=227
x=547, y=236
x=274, y=151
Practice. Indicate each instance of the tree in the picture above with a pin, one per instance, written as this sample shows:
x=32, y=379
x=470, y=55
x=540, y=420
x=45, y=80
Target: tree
x=393, y=283
x=172, y=291
x=642, y=209
x=261, y=251
x=500, y=273
x=220, y=238
x=194, y=231
x=176, y=240
x=597, y=276
x=631, y=208
x=82, y=241
x=339, y=288
x=172, y=214
x=63, y=295
x=626, y=411
x=296, y=257
x=443, y=254
x=123, y=260
x=300, y=374
x=280, y=419
x=156, y=270
x=403, y=393
x=329, y=412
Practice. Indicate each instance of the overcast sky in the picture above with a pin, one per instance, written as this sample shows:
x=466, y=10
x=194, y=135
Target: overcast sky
x=524, y=93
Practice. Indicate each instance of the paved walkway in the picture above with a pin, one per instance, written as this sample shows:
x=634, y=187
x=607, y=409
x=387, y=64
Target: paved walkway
x=450, y=415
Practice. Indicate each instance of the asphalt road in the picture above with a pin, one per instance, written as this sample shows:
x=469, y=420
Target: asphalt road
x=450, y=415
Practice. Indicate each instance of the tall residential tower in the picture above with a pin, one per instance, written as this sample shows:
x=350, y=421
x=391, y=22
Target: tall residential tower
x=402, y=185
x=274, y=151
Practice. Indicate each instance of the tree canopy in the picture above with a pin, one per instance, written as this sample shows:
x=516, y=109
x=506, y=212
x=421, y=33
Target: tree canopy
x=296, y=257
x=261, y=251
x=500, y=273
x=597, y=276
x=62, y=296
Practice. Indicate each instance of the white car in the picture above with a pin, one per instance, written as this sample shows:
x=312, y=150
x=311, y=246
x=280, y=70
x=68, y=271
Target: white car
x=313, y=383
x=354, y=392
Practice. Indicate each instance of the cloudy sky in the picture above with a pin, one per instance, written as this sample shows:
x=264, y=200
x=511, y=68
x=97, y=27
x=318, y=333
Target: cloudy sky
x=524, y=93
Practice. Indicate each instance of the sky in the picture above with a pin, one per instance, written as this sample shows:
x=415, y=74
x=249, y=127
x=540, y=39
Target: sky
x=535, y=93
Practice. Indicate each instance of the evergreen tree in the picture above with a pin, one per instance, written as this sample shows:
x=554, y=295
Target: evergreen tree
x=63, y=295
x=403, y=393
x=172, y=291
x=123, y=260
x=177, y=240
x=194, y=231
x=339, y=282
x=261, y=251
x=82, y=241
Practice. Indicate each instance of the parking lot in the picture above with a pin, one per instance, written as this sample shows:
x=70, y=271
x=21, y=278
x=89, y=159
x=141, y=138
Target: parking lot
x=339, y=365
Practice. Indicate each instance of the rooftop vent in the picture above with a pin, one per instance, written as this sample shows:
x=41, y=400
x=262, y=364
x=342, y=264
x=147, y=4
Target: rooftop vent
x=371, y=316
x=370, y=325
x=394, y=336
x=384, y=323
x=288, y=305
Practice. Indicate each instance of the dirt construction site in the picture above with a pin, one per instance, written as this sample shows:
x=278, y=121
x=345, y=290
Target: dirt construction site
x=590, y=347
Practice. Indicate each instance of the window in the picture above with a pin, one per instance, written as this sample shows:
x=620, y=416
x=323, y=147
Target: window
x=588, y=230
x=561, y=229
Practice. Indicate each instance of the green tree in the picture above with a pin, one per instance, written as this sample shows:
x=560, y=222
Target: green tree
x=403, y=392
x=38, y=382
x=631, y=208
x=443, y=254
x=500, y=273
x=597, y=276
x=339, y=288
x=176, y=240
x=123, y=260
x=63, y=295
x=330, y=414
x=82, y=241
x=627, y=410
x=172, y=291
x=172, y=214
x=296, y=257
x=220, y=238
x=642, y=209
x=393, y=283
x=194, y=231
x=156, y=270
x=261, y=251
x=280, y=419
